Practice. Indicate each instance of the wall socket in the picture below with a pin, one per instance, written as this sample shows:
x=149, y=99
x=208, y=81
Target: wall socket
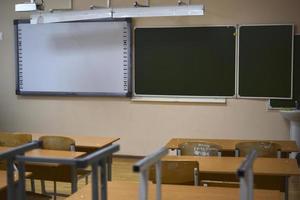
x=1, y=36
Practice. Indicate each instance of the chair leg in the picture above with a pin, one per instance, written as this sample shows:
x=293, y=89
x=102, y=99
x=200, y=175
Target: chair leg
x=54, y=193
x=32, y=185
x=43, y=188
x=86, y=180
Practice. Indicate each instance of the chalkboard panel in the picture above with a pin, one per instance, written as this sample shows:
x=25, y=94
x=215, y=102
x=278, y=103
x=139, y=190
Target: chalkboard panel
x=185, y=61
x=265, y=61
x=276, y=103
x=89, y=58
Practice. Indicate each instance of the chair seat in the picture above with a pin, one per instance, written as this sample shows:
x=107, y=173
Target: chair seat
x=81, y=173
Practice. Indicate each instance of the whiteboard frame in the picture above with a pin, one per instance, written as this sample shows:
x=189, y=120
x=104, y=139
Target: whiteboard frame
x=292, y=63
x=84, y=94
x=182, y=98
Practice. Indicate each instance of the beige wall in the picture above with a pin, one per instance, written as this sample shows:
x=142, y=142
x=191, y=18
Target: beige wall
x=143, y=127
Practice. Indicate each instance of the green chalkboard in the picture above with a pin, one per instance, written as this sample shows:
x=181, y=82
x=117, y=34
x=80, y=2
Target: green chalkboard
x=265, y=61
x=185, y=61
x=276, y=103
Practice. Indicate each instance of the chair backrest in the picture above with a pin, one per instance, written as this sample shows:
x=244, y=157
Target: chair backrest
x=199, y=149
x=263, y=149
x=57, y=143
x=13, y=140
x=177, y=172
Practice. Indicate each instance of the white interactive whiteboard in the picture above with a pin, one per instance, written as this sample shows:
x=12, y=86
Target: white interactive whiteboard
x=75, y=58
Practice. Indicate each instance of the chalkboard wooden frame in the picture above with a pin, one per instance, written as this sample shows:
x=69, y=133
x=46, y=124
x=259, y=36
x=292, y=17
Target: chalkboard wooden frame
x=85, y=94
x=238, y=60
x=185, y=98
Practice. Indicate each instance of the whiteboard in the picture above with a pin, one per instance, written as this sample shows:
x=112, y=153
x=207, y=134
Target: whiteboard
x=76, y=58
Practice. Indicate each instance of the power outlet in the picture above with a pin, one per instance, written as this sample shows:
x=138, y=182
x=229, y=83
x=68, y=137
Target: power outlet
x=1, y=36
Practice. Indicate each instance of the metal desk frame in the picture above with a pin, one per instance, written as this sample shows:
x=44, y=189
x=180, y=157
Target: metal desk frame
x=142, y=167
x=10, y=156
x=245, y=174
x=96, y=159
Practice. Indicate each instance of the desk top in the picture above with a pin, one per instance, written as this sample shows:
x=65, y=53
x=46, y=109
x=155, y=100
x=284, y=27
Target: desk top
x=45, y=153
x=48, y=153
x=84, y=140
x=229, y=165
x=229, y=144
x=129, y=190
x=4, y=149
x=53, y=153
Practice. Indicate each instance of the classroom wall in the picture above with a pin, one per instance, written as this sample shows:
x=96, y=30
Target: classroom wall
x=144, y=126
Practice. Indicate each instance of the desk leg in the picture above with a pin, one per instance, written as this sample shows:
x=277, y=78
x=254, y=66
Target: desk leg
x=21, y=185
x=74, y=179
x=236, y=153
x=144, y=177
x=286, y=188
x=103, y=180
x=95, y=181
x=109, y=168
x=10, y=180
x=178, y=152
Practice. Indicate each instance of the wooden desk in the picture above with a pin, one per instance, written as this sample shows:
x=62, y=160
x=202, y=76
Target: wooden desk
x=269, y=173
x=287, y=146
x=129, y=190
x=45, y=153
x=84, y=140
x=229, y=165
x=48, y=153
x=85, y=143
x=88, y=143
x=53, y=171
x=44, y=168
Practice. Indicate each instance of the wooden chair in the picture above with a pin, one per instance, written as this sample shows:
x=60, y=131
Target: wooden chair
x=177, y=172
x=200, y=149
x=263, y=149
x=13, y=140
x=60, y=173
x=58, y=143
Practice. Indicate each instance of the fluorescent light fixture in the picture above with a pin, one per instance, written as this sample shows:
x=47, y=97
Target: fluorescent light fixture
x=162, y=11
x=25, y=7
x=104, y=13
x=66, y=16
